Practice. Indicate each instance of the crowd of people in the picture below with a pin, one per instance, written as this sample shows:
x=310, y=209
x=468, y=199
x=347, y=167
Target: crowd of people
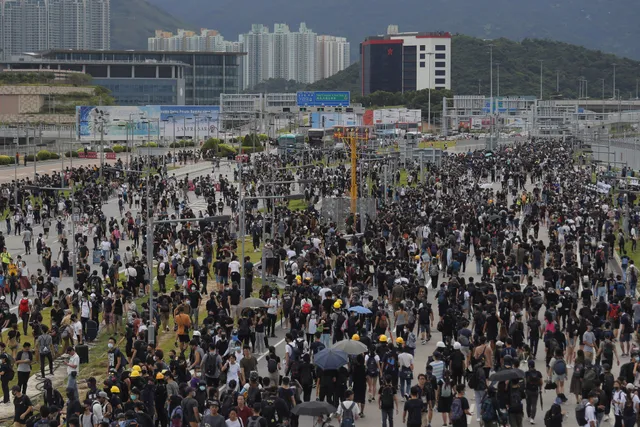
x=392, y=282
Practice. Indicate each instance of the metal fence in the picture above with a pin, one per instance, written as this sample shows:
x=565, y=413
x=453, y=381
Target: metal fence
x=337, y=210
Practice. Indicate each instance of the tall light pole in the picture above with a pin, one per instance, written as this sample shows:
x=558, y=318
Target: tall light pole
x=429, y=54
x=491, y=78
x=541, y=61
x=100, y=120
x=557, y=81
x=479, y=81
x=636, y=88
x=498, y=77
x=602, y=98
x=614, y=80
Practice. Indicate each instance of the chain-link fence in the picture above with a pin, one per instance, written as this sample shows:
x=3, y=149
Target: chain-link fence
x=337, y=210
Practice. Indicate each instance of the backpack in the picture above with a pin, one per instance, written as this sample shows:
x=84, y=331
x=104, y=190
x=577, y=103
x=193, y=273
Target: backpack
x=607, y=351
x=387, y=398
x=372, y=366
x=295, y=351
x=614, y=311
x=176, y=417
x=607, y=383
x=445, y=390
x=548, y=417
x=167, y=268
x=210, y=365
x=581, y=412
x=348, y=419
x=180, y=270
x=621, y=290
x=23, y=308
x=589, y=378
x=456, y=409
x=488, y=411
x=306, y=308
x=254, y=422
x=269, y=411
x=389, y=363
x=442, y=296
x=560, y=367
x=227, y=403
x=272, y=365
x=515, y=400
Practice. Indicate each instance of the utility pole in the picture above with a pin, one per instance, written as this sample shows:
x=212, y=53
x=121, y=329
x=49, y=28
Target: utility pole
x=498, y=82
x=429, y=54
x=614, y=80
x=491, y=78
x=541, y=61
x=557, y=81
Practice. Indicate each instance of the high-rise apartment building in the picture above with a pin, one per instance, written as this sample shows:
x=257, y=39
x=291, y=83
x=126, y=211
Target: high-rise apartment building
x=36, y=25
x=190, y=41
x=332, y=56
x=302, y=55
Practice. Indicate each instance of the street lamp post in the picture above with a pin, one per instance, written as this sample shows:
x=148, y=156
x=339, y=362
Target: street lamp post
x=541, y=61
x=491, y=77
x=614, y=80
x=429, y=54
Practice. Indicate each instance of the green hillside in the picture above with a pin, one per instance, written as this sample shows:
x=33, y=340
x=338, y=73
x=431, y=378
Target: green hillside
x=133, y=21
x=519, y=70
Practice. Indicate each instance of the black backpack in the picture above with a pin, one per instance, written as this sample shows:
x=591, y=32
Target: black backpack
x=387, y=397
x=210, y=365
x=269, y=411
x=272, y=365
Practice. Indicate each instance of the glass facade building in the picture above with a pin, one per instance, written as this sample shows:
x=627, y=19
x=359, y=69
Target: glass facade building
x=208, y=75
x=130, y=83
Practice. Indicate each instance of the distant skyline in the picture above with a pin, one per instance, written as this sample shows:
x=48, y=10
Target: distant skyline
x=301, y=55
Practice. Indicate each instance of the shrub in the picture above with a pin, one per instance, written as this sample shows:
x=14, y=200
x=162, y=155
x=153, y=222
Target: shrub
x=149, y=144
x=182, y=144
x=54, y=156
x=6, y=160
x=71, y=154
x=118, y=148
x=43, y=155
x=249, y=140
x=263, y=137
x=225, y=150
x=29, y=157
x=108, y=150
x=248, y=150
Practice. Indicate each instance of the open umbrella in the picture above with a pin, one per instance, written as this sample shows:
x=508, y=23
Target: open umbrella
x=507, y=375
x=313, y=408
x=351, y=347
x=359, y=309
x=330, y=358
x=253, y=303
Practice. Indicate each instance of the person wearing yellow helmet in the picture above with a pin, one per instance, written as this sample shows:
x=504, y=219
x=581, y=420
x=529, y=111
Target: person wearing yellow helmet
x=337, y=305
x=382, y=338
x=355, y=337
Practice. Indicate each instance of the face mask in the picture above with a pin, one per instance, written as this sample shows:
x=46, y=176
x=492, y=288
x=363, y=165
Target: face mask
x=595, y=400
x=198, y=374
x=134, y=397
x=202, y=388
x=110, y=345
x=637, y=359
x=617, y=388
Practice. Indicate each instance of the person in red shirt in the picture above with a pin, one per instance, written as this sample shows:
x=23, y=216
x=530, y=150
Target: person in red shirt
x=244, y=412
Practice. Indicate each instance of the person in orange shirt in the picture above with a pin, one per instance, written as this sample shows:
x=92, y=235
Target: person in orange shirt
x=184, y=324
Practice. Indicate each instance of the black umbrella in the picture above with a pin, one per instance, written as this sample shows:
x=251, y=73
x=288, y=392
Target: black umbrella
x=313, y=408
x=507, y=375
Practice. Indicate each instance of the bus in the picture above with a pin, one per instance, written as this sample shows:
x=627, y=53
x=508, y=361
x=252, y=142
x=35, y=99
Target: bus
x=316, y=136
x=290, y=142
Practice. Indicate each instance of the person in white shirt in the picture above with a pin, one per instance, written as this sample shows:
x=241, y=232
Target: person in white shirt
x=405, y=366
x=348, y=405
x=590, y=410
x=76, y=326
x=72, y=363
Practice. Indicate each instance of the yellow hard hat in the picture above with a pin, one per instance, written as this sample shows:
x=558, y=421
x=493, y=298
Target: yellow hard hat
x=383, y=338
x=340, y=301
x=115, y=389
x=399, y=340
x=136, y=368
x=336, y=304
x=355, y=337
x=159, y=376
x=417, y=257
x=135, y=374
x=298, y=277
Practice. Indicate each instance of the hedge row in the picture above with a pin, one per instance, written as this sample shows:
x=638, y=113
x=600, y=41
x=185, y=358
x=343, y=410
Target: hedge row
x=42, y=155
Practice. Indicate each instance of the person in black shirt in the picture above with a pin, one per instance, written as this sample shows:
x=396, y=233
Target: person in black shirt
x=412, y=414
x=462, y=421
x=533, y=381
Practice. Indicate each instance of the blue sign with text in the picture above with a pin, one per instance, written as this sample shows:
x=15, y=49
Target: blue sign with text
x=324, y=99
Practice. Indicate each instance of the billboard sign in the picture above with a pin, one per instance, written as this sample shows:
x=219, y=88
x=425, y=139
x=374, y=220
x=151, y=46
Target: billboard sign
x=328, y=120
x=150, y=122
x=324, y=99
